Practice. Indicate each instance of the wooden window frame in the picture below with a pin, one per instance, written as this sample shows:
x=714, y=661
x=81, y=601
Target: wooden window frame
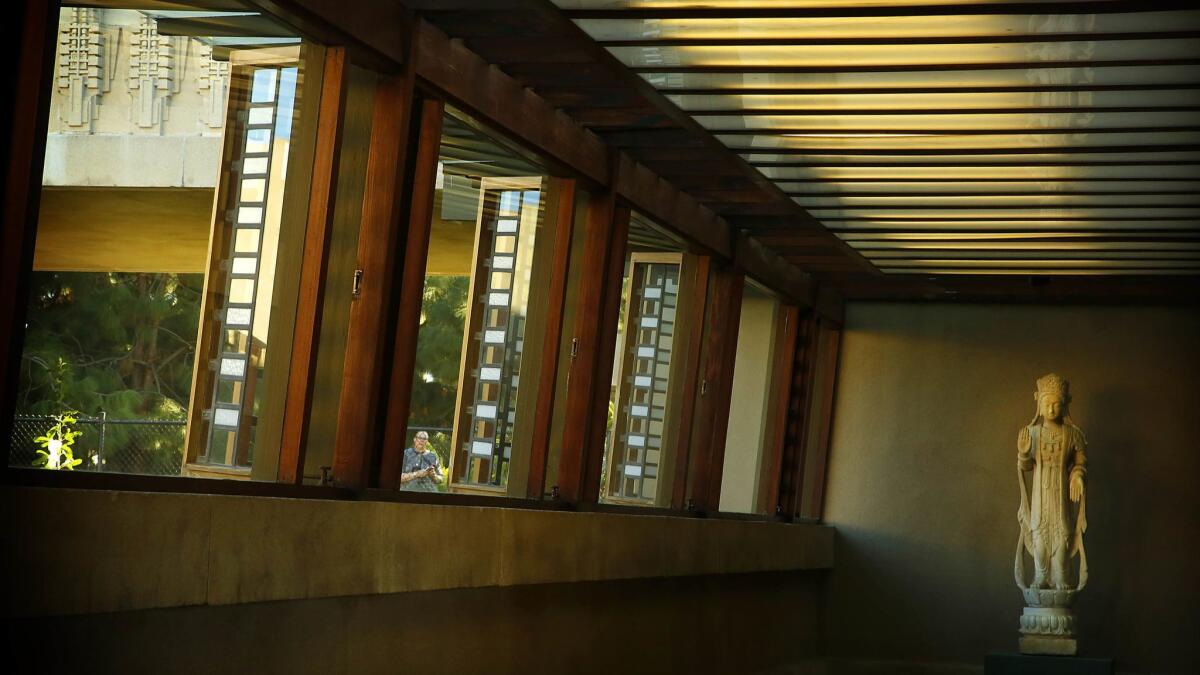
x=366, y=446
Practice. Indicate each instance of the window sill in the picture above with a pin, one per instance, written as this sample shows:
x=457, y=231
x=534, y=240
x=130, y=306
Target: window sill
x=143, y=550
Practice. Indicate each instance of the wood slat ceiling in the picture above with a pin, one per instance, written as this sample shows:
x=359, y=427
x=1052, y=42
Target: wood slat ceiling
x=536, y=44
x=989, y=138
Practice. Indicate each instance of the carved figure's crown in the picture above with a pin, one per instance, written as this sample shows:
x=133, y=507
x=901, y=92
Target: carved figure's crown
x=1053, y=384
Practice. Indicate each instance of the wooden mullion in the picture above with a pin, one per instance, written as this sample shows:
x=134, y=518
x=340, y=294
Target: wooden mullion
x=697, y=300
x=721, y=321
x=813, y=498
x=734, y=11
x=563, y=192
x=428, y=131
x=775, y=434
x=597, y=422
x=368, y=353
x=586, y=341
x=25, y=154
x=792, y=466
x=314, y=266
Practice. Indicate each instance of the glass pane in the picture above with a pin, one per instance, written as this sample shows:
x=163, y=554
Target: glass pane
x=488, y=248
x=640, y=452
x=159, y=373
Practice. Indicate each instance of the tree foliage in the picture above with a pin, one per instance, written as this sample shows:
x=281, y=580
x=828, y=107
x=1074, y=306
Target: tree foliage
x=439, y=349
x=120, y=343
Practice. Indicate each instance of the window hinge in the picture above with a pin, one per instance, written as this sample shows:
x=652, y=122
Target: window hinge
x=356, y=287
x=704, y=388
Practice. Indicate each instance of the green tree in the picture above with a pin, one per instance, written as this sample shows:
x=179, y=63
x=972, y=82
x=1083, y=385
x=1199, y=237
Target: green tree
x=439, y=349
x=118, y=343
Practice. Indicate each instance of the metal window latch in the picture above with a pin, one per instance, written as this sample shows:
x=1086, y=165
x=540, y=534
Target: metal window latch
x=554, y=492
x=574, y=347
x=326, y=477
x=704, y=388
x=356, y=287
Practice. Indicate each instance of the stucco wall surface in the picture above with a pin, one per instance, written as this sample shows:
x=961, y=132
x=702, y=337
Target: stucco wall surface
x=94, y=551
x=764, y=624
x=922, y=479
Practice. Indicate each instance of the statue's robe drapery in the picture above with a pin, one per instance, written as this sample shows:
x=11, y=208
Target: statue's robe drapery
x=1046, y=527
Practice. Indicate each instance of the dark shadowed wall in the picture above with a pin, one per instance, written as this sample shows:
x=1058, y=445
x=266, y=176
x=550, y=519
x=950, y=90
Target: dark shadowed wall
x=923, y=492
x=752, y=623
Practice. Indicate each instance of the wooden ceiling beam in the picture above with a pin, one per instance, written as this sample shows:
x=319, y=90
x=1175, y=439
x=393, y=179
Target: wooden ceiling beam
x=377, y=34
x=838, y=69
x=799, y=40
x=1047, y=150
x=853, y=112
x=1041, y=9
x=1149, y=85
x=942, y=193
x=1038, y=131
x=1009, y=165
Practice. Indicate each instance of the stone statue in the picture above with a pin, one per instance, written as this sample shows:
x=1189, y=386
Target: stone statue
x=1053, y=518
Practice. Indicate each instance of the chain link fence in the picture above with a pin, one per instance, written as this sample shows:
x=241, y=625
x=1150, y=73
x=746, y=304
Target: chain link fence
x=153, y=447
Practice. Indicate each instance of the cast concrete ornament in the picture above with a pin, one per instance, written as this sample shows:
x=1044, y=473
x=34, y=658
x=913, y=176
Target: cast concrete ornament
x=1053, y=518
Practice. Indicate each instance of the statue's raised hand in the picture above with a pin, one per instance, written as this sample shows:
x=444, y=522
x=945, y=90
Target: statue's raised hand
x=1024, y=442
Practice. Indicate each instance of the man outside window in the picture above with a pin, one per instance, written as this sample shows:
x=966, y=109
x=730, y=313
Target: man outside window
x=421, y=470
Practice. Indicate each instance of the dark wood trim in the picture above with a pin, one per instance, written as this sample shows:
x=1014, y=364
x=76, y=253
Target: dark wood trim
x=784, y=90
x=783, y=360
x=1007, y=207
x=1047, y=131
x=918, y=68
x=589, y=335
x=799, y=393
x=1052, y=150
x=386, y=198
x=310, y=297
x=721, y=323
x=376, y=34
x=563, y=213
x=689, y=381
x=428, y=129
x=786, y=12
x=988, y=181
x=768, y=267
x=800, y=41
x=1031, y=195
x=29, y=84
x=968, y=219
x=663, y=202
x=856, y=112
x=490, y=95
x=971, y=163
x=813, y=501
x=597, y=421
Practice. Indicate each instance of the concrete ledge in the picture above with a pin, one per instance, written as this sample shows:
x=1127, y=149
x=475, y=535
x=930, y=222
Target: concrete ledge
x=88, y=551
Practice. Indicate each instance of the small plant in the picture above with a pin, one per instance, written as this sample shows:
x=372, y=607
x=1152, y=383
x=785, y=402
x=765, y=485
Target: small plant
x=56, y=451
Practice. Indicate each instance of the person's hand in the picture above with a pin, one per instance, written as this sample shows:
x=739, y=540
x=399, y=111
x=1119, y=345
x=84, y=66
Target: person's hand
x=431, y=471
x=1024, y=441
x=1076, y=486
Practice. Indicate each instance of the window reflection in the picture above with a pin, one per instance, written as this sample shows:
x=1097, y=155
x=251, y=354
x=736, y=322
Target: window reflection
x=489, y=253
x=153, y=285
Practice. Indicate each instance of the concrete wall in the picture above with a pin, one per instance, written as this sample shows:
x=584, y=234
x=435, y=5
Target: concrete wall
x=153, y=583
x=922, y=486
x=744, y=624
